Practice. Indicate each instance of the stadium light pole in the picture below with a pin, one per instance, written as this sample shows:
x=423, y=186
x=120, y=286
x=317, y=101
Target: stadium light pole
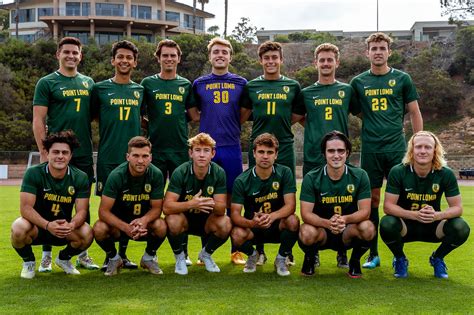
x=377, y=15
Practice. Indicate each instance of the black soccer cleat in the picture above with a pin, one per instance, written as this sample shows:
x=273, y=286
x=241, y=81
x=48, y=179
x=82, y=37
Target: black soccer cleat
x=308, y=265
x=355, y=271
x=128, y=264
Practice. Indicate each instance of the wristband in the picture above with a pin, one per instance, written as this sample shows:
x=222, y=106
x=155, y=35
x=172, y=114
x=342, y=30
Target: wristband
x=46, y=228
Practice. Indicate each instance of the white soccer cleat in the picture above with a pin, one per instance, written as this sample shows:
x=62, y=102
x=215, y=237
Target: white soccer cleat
x=180, y=267
x=86, y=262
x=281, y=267
x=45, y=264
x=67, y=266
x=28, y=271
x=251, y=264
x=208, y=261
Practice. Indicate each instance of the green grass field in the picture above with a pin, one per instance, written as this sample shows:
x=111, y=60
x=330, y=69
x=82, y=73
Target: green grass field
x=231, y=291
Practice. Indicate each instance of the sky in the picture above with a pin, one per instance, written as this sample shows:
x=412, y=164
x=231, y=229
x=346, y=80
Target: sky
x=324, y=15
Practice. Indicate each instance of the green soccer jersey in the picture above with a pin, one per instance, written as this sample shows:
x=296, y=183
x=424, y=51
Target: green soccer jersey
x=166, y=102
x=415, y=192
x=119, y=109
x=266, y=196
x=271, y=102
x=133, y=195
x=184, y=183
x=335, y=196
x=382, y=100
x=327, y=108
x=67, y=99
x=55, y=198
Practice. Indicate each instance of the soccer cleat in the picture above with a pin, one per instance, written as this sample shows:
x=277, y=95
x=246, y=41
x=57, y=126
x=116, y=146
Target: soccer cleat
x=261, y=259
x=45, y=264
x=67, y=266
x=354, y=269
x=113, y=267
x=439, y=266
x=372, y=262
x=151, y=266
x=281, y=267
x=342, y=260
x=86, y=262
x=199, y=262
x=290, y=260
x=251, y=263
x=208, y=261
x=237, y=259
x=308, y=265
x=401, y=267
x=104, y=264
x=180, y=267
x=128, y=264
x=188, y=261
x=28, y=270
x=317, y=262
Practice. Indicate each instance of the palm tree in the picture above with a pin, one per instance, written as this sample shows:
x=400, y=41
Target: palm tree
x=194, y=16
x=203, y=2
x=226, y=10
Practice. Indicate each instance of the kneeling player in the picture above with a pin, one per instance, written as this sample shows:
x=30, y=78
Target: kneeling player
x=335, y=206
x=49, y=192
x=130, y=208
x=412, y=204
x=195, y=203
x=267, y=193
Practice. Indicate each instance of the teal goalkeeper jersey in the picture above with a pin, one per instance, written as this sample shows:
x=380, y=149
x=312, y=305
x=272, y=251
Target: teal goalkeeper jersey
x=272, y=103
x=119, y=109
x=382, y=100
x=68, y=102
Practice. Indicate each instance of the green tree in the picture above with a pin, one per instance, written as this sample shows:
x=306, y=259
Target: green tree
x=4, y=22
x=464, y=55
x=281, y=38
x=214, y=30
x=324, y=37
x=299, y=37
x=245, y=32
x=306, y=76
x=457, y=8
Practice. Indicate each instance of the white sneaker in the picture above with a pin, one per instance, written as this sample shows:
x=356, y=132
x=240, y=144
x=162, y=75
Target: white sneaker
x=67, y=266
x=180, y=267
x=208, y=261
x=85, y=261
x=281, y=267
x=45, y=264
x=251, y=264
x=113, y=266
x=261, y=259
x=188, y=261
x=28, y=271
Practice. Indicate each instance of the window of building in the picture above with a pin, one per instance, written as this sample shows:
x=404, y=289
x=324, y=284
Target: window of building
x=144, y=12
x=73, y=8
x=134, y=11
x=109, y=9
x=24, y=16
x=172, y=16
x=188, y=22
x=86, y=8
x=45, y=12
x=109, y=37
x=82, y=36
x=138, y=37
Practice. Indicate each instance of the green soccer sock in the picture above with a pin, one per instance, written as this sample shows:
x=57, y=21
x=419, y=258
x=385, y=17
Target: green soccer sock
x=456, y=232
x=176, y=242
x=26, y=253
x=309, y=250
x=68, y=252
x=288, y=239
x=123, y=245
x=374, y=243
x=247, y=248
x=214, y=243
x=153, y=243
x=108, y=246
x=390, y=232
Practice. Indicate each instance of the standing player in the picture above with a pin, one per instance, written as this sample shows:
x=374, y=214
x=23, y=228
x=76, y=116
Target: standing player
x=117, y=103
x=413, y=205
x=271, y=99
x=267, y=194
x=49, y=192
x=325, y=106
x=195, y=203
x=218, y=97
x=61, y=102
x=335, y=206
x=130, y=208
x=384, y=94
